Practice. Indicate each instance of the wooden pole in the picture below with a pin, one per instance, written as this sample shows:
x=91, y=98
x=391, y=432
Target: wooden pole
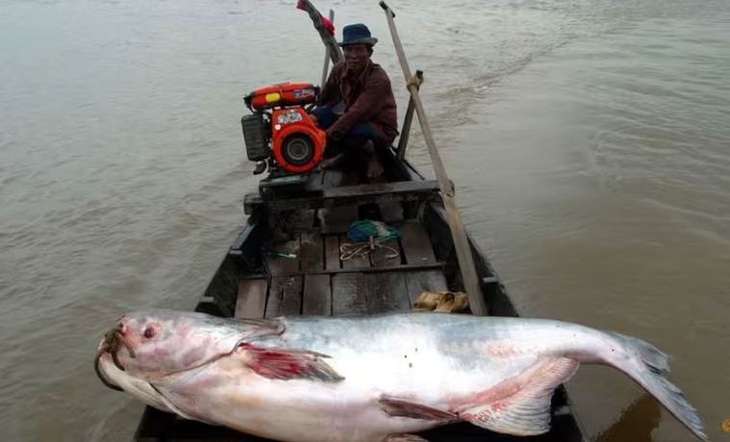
x=329, y=41
x=461, y=242
x=327, y=55
x=407, y=121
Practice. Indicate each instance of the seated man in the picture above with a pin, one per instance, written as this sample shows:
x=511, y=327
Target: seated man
x=357, y=106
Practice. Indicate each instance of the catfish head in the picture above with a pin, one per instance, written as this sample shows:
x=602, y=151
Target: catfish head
x=156, y=344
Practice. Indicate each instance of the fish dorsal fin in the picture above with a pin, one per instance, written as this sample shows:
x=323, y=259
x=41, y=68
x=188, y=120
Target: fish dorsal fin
x=285, y=363
x=259, y=327
x=527, y=411
x=404, y=438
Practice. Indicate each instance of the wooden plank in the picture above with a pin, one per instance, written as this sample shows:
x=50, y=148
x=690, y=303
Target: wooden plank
x=352, y=260
x=400, y=268
x=355, y=199
x=424, y=280
x=284, y=266
x=376, y=193
x=331, y=178
x=285, y=296
x=312, y=252
x=341, y=188
x=387, y=292
x=391, y=211
x=349, y=294
x=337, y=219
x=251, y=299
x=425, y=187
x=298, y=220
x=332, y=252
x=315, y=181
x=416, y=244
x=384, y=256
x=251, y=202
x=350, y=176
x=337, y=177
x=317, y=299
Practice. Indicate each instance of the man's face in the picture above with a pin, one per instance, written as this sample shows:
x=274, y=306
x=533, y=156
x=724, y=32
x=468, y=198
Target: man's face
x=356, y=56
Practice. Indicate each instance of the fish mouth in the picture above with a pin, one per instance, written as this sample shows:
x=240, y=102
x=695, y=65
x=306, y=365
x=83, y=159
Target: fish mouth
x=110, y=344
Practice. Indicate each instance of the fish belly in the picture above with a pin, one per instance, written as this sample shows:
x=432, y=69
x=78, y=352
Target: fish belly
x=391, y=365
x=287, y=410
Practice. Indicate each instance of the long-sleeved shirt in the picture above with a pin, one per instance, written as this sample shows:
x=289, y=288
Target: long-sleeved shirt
x=368, y=98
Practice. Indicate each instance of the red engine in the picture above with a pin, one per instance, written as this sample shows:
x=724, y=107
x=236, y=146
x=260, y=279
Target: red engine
x=280, y=127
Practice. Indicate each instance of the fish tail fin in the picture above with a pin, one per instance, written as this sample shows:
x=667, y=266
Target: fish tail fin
x=647, y=365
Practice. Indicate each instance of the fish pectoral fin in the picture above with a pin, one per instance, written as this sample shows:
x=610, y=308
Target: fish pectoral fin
x=526, y=412
x=404, y=408
x=284, y=363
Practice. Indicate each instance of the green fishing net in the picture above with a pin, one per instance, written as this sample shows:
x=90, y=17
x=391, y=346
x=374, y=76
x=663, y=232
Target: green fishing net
x=361, y=231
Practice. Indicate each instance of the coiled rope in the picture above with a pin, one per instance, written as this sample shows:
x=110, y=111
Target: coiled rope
x=367, y=236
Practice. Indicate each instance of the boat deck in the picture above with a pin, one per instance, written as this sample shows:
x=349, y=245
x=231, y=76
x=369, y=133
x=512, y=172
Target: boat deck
x=313, y=269
x=322, y=277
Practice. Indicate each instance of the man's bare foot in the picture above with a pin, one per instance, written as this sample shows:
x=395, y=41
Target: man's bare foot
x=335, y=161
x=375, y=169
x=368, y=147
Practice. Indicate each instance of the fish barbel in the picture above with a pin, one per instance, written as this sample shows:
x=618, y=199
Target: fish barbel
x=367, y=378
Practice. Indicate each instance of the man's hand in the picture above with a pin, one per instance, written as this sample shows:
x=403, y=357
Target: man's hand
x=334, y=136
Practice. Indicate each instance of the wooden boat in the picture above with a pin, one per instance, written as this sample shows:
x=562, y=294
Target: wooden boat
x=288, y=261
x=293, y=257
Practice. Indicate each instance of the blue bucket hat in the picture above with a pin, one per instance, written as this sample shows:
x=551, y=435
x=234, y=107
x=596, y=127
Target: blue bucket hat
x=357, y=33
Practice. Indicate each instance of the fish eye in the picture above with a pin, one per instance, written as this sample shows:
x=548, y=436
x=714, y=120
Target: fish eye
x=149, y=332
